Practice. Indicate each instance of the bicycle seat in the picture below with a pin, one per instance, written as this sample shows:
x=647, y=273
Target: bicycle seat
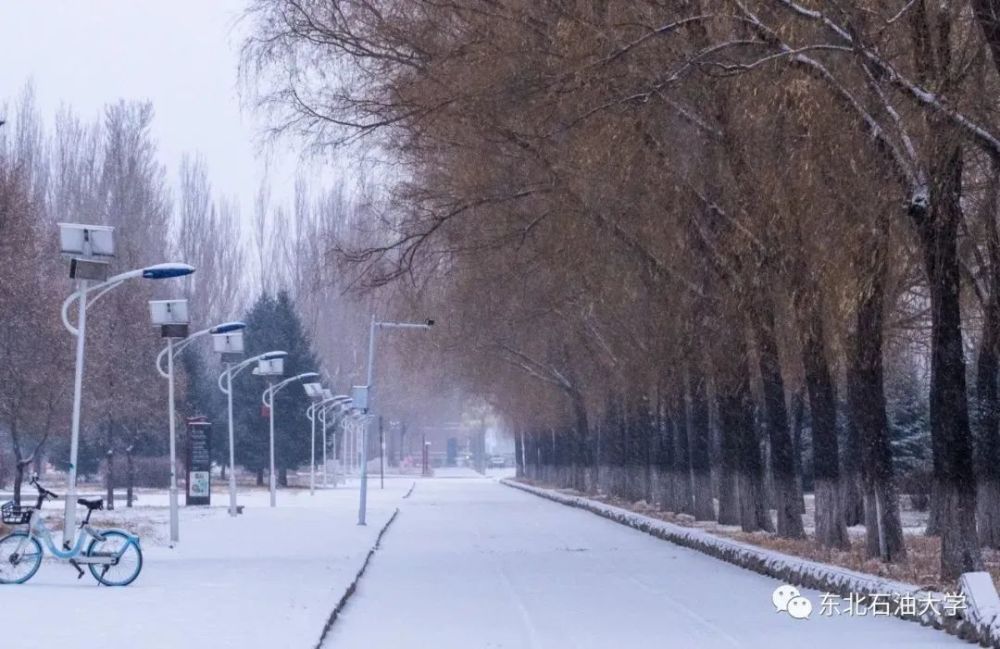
x=92, y=504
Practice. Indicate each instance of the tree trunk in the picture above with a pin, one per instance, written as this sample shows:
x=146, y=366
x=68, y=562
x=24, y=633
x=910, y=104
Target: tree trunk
x=798, y=414
x=636, y=427
x=529, y=448
x=18, y=479
x=109, y=499
x=736, y=417
x=987, y=400
x=866, y=399
x=518, y=450
x=729, y=469
x=664, y=496
x=851, y=489
x=831, y=529
x=683, y=488
x=700, y=441
x=260, y=477
x=782, y=464
x=954, y=469
x=130, y=469
x=729, y=465
x=581, y=459
x=988, y=16
x=19, y=462
x=988, y=420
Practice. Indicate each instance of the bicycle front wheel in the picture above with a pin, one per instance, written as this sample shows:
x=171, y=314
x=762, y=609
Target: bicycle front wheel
x=20, y=558
x=128, y=559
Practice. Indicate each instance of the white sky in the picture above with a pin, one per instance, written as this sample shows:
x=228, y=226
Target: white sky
x=179, y=54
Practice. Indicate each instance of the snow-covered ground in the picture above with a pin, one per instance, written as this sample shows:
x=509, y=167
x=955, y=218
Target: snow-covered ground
x=267, y=579
x=471, y=563
x=468, y=563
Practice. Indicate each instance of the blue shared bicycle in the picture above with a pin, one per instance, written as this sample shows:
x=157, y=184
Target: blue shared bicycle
x=113, y=556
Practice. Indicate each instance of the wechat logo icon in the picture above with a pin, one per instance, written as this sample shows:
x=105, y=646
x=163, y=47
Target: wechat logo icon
x=788, y=599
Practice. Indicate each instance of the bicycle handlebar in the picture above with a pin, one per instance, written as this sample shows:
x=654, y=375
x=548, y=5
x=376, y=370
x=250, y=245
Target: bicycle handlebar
x=42, y=491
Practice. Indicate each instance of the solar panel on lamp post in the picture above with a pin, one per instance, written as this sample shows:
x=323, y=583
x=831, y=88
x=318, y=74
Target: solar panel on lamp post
x=89, y=248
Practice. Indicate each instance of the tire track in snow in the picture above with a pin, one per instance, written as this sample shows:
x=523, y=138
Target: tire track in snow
x=693, y=615
x=522, y=610
x=353, y=587
x=516, y=599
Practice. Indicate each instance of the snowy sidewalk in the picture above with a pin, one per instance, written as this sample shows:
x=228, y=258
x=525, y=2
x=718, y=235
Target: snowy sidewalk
x=267, y=579
x=474, y=564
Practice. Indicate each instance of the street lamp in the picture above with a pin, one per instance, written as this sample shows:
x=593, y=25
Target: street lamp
x=89, y=246
x=268, y=399
x=367, y=399
x=315, y=392
x=230, y=345
x=328, y=396
x=321, y=406
x=343, y=403
x=172, y=318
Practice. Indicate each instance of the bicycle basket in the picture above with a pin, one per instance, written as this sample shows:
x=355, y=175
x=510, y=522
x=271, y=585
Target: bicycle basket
x=12, y=514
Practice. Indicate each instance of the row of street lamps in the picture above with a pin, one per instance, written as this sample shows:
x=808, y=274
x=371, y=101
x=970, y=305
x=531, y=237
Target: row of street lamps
x=323, y=402
x=89, y=248
x=359, y=406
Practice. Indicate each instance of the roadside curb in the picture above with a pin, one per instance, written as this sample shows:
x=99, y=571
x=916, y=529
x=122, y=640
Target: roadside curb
x=353, y=586
x=787, y=568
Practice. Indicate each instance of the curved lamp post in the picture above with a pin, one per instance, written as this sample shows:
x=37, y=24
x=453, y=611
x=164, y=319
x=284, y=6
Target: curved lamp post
x=340, y=401
x=268, y=399
x=227, y=389
x=320, y=406
x=315, y=392
x=81, y=295
x=170, y=352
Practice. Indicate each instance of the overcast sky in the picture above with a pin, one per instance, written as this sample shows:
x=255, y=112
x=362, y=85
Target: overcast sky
x=180, y=54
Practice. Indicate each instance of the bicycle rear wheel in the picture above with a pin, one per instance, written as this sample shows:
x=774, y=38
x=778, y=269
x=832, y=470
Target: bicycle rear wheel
x=20, y=558
x=125, y=570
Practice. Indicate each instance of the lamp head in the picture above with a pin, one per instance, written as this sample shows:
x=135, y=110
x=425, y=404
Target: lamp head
x=166, y=271
x=270, y=356
x=228, y=327
x=313, y=390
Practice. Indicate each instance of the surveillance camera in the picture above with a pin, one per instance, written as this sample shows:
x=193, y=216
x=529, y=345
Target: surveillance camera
x=430, y=323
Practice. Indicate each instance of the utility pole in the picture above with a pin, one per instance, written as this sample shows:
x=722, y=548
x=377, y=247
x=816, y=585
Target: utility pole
x=369, y=391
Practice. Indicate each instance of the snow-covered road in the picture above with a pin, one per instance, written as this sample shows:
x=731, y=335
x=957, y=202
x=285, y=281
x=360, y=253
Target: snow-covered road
x=473, y=564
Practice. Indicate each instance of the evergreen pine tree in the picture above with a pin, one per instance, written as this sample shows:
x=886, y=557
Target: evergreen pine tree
x=272, y=324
